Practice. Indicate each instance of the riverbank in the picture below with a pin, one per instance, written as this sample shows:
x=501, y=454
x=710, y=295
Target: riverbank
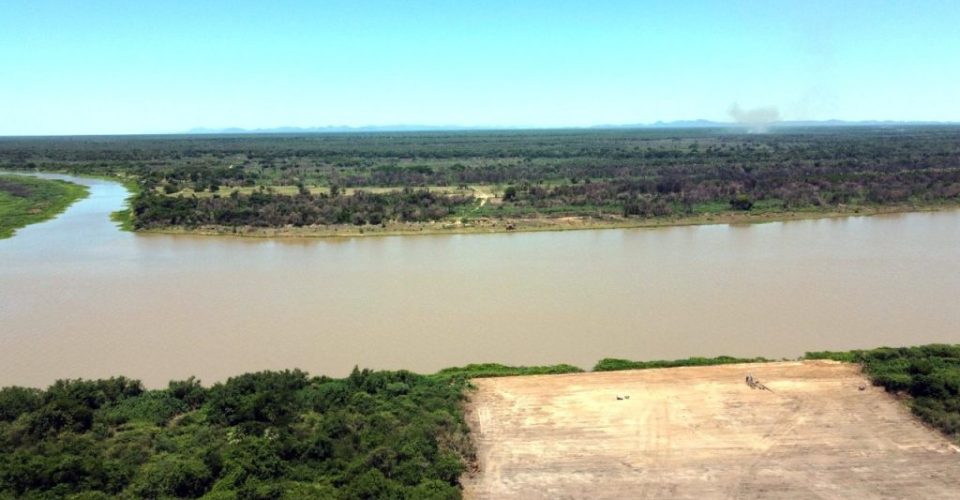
x=123, y=218
x=28, y=200
x=539, y=224
x=494, y=225
x=577, y=296
x=821, y=425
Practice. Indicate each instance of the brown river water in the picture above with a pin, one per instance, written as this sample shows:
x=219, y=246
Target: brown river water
x=80, y=298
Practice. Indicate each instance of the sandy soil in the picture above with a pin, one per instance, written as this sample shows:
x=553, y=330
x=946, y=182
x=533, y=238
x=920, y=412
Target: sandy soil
x=702, y=432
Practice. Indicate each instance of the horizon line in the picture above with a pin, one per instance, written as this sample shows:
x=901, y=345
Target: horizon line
x=660, y=124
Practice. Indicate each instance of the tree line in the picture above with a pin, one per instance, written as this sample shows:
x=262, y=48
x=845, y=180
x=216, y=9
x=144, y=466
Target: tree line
x=631, y=173
x=263, y=208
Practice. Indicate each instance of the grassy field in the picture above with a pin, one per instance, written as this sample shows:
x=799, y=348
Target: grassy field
x=28, y=200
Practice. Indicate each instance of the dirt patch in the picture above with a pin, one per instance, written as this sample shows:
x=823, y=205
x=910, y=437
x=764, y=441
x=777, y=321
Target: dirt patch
x=703, y=432
x=15, y=189
x=483, y=194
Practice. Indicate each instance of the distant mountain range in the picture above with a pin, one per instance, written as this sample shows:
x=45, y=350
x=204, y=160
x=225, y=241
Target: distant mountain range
x=783, y=124
x=655, y=125
x=335, y=129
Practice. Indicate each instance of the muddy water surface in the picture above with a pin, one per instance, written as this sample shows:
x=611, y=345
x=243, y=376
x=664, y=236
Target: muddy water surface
x=79, y=298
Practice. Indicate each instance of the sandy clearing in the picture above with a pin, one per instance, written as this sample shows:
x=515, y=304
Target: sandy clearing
x=702, y=432
x=483, y=194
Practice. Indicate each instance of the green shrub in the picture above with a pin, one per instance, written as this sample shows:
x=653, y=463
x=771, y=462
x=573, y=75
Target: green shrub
x=172, y=475
x=498, y=370
x=15, y=401
x=156, y=407
x=610, y=364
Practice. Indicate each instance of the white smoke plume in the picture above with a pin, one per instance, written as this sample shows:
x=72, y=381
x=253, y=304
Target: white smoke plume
x=757, y=119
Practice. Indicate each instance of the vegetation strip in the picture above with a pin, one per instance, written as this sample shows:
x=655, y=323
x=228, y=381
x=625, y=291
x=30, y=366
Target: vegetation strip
x=373, y=434
x=335, y=184
x=27, y=200
x=612, y=364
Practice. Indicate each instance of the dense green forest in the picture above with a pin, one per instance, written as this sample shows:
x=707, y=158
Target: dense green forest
x=264, y=208
x=28, y=200
x=374, y=178
x=373, y=434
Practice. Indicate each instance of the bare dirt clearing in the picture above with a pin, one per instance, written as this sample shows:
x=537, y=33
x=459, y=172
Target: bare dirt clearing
x=702, y=432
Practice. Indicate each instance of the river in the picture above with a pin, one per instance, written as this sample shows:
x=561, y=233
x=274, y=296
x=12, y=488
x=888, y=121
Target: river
x=80, y=298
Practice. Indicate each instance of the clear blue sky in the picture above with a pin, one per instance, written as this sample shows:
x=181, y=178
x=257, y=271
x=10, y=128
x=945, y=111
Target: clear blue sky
x=132, y=66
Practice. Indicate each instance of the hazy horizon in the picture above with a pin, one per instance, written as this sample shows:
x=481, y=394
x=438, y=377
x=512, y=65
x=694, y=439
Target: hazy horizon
x=114, y=67
x=415, y=128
